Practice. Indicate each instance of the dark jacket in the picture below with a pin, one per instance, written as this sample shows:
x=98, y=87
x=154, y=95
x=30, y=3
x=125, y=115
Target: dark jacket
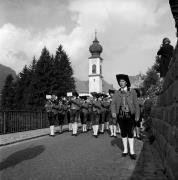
x=132, y=101
x=166, y=53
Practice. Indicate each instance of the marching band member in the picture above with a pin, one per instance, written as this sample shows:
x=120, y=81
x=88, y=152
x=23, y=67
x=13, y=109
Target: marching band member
x=84, y=113
x=113, y=121
x=96, y=113
x=105, y=112
x=48, y=107
x=54, y=112
x=125, y=107
x=68, y=114
x=102, y=114
x=75, y=112
x=89, y=117
x=60, y=115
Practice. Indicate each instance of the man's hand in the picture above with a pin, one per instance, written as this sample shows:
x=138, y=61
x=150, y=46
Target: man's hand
x=136, y=119
x=114, y=115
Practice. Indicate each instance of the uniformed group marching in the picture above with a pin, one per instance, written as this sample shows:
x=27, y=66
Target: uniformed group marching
x=118, y=112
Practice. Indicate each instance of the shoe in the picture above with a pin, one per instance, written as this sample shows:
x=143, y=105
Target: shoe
x=139, y=138
x=133, y=156
x=96, y=136
x=51, y=135
x=73, y=135
x=114, y=136
x=124, y=154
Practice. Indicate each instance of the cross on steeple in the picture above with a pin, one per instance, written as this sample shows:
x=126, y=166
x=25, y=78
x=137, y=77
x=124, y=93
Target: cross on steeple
x=95, y=34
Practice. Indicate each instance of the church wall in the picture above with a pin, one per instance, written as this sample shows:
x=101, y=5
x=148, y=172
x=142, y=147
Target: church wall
x=95, y=84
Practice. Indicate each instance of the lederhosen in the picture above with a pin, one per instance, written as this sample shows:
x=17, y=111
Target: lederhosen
x=54, y=111
x=125, y=118
x=61, y=114
x=84, y=113
x=48, y=107
x=96, y=112
x=65, y=111
x=89, y=117
x=103, y=113
x=106, y=105
x=68, y=112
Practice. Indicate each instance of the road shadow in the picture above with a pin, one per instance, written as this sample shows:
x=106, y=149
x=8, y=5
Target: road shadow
x=117, y=142
x=19, y=156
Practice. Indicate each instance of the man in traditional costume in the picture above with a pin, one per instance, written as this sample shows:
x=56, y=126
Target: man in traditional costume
x=125, y=107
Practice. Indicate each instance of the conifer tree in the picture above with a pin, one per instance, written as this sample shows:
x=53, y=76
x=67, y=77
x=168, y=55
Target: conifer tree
x=30, y=96
x=42, y=83
x=7, y=101
x=63, y=73
x=21, y=88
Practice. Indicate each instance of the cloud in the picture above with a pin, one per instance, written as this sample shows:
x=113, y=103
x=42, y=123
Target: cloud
x=129, y=31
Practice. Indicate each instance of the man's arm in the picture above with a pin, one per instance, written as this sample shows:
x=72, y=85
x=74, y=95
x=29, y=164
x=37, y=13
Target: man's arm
x=113, y=105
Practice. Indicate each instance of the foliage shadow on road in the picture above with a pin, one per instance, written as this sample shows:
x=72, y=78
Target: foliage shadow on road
x=19, y=156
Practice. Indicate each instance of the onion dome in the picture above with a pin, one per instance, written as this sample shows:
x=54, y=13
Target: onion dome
x=95, y=49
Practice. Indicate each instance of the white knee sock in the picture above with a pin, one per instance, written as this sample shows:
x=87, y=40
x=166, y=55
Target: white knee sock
x=107, y=125
x=97, y=127
x=73, y=128
x=124, y=140
x=118, y=127
x=111, y=129
x=114, y=130
x=52, y=130
x=93, y=127
x=70, y=126
x=76, y=127
x=131, y=145
x=102, y=127
x=83, y=128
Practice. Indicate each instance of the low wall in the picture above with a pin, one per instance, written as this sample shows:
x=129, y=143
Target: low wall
x=165, y=120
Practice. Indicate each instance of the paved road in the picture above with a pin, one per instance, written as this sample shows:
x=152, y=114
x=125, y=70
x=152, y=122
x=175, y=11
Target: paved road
x=84, y=157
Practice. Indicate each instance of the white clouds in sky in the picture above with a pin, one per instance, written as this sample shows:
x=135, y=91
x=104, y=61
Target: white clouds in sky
x=129, y=31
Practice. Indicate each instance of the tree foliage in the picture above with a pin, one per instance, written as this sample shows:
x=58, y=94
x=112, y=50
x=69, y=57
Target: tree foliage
x=49, y=74
x=151, y=78
x=7, y=101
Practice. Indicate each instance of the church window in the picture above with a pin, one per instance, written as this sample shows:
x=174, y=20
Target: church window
x=100, y=70
x=94, y=69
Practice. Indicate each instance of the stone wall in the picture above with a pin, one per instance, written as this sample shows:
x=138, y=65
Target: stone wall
x=165, y=120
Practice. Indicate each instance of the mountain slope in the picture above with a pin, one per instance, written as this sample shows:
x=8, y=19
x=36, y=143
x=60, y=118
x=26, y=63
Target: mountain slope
x=4, y=72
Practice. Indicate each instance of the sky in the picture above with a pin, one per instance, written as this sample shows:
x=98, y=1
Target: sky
x=130, y=32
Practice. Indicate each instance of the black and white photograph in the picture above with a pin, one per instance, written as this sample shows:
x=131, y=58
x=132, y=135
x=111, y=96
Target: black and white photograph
x=88, y=89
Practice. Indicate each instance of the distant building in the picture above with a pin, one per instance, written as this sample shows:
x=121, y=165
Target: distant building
x=136, y=81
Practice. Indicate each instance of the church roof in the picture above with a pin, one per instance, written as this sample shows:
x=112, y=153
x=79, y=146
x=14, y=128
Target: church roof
x=95, y=49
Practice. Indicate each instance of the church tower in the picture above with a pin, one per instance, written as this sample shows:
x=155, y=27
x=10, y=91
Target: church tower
x=95, y=67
